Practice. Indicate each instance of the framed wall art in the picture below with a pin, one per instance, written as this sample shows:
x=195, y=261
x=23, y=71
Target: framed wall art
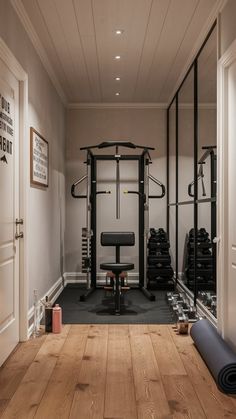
x=39, y=159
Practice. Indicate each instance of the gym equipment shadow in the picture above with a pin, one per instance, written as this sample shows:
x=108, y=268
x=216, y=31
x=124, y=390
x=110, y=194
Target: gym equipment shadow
x=135, y=308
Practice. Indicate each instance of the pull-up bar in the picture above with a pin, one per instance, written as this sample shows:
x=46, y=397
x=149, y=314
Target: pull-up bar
x=127, y=144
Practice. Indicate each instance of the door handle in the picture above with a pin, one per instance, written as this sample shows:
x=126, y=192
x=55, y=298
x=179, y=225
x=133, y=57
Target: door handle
x=19, y=235
x=216, y=240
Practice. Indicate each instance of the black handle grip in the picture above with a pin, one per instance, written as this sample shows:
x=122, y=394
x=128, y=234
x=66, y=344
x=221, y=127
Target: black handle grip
x=163, y=192
x=74, y=195
x=190, y=190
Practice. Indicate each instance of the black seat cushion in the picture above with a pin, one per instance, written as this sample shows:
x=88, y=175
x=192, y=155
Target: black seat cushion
x=117, y=238
x=117, y=267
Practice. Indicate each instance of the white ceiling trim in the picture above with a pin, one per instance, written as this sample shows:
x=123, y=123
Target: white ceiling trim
x=124, y=105
x=141, y=105
x=24, y=18
x=220, y=4
x=10, y=60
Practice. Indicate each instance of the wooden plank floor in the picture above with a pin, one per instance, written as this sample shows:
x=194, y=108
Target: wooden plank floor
x=110, y=372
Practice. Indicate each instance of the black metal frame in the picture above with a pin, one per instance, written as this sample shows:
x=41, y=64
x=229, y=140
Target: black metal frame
x=195, y=201
x=143, y=159
x=140, y=159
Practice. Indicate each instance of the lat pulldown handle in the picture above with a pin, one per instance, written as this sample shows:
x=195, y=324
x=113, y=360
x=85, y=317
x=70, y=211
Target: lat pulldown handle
x=200, y=177
x=84, y=196
x=157, y=182
x=76, y=184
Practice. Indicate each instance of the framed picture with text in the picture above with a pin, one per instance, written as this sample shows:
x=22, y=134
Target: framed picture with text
x=39, y=159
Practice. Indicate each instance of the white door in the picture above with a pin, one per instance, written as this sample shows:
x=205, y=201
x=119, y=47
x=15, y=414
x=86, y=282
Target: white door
x=231, y=289
x=9, y=212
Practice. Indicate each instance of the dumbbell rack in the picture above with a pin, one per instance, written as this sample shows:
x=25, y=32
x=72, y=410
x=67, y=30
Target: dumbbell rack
x=159, y=270
x=205, y=267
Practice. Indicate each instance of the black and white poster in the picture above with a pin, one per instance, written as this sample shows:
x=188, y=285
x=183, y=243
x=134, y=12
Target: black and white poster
x=39, y=159
x=6, y=125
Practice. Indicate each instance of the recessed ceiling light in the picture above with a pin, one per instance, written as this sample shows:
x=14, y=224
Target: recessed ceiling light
x=117, y=57
x=117, y=78
x=119, y=31
x=117, y=94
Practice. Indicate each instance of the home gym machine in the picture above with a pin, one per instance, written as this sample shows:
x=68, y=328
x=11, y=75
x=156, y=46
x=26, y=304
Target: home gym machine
x=89, y=234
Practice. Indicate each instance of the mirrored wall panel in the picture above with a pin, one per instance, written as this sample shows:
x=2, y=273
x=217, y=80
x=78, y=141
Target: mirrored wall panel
x=172, y=153
x=186, y=139
x=207, y=165
x=192, y=217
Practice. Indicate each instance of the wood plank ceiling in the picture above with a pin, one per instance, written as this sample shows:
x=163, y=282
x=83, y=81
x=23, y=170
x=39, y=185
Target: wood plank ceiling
x=80, y=41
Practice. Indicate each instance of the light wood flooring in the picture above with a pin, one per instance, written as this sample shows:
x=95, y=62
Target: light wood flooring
x=110, y=372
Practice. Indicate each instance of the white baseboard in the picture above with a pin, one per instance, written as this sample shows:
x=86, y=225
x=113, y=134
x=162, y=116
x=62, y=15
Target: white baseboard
x=52, y=296
x=69, y=278
x=80, y=278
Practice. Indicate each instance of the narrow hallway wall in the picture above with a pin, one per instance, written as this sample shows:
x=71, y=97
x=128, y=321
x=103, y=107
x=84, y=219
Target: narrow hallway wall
x=47, y=116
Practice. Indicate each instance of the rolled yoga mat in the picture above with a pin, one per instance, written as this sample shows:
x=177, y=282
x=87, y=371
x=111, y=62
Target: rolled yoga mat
x=218, y=356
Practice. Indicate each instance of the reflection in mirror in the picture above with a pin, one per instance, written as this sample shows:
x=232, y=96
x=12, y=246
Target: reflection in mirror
x=207, y=156
x=207, y=73
x=186, y=137
x=206, y=262
x=172, y=236
x=172, y=153
x=185, y=245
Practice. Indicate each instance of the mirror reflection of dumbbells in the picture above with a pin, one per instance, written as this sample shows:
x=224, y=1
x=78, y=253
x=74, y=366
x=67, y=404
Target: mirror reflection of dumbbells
x=205, y=276
x=184, y=311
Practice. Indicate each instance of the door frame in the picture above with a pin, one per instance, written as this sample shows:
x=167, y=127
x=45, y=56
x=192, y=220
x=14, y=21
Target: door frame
x=228, y=58
x=14, y=66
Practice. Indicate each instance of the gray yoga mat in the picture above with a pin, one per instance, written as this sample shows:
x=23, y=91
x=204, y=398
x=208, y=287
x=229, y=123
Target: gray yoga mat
x=218, y=356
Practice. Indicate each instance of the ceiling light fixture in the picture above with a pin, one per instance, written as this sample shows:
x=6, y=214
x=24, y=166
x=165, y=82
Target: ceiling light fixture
x=119, y=31
x=117, y=94
x=117, y=57
x=117, y=78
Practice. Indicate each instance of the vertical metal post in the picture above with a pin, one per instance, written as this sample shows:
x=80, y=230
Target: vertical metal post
x=117, y=184
x=117, y=254
x=93, y=202
x=167, y=172
x=177, y=185
x=195, y=177
x=146, y=216
x=141, y=220
x=213, y=210
x=88, y=218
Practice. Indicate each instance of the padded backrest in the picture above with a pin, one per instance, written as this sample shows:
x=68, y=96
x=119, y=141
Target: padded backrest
x=117, y=238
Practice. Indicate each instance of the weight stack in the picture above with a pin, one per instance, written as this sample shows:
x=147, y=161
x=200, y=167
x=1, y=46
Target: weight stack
x=86, y=255
x=159, y=270
x=205, y=277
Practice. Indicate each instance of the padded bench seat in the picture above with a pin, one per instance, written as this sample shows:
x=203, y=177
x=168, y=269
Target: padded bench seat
x=117, y=266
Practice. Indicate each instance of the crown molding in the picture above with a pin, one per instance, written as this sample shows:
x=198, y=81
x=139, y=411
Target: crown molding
x=140, y=105
x=219, y=5
x=10, y=60
x=112, y=105
x=25, y=20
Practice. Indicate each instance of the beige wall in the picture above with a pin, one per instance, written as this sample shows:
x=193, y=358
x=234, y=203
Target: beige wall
x=46, y=115
x=91, y=126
